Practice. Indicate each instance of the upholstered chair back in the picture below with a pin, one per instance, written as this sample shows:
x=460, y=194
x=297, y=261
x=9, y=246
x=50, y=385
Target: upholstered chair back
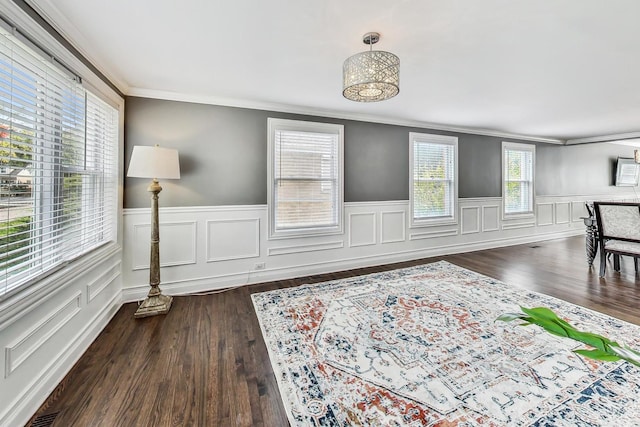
x=620, y=221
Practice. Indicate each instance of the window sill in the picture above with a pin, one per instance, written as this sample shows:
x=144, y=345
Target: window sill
x=433, y=223
x=306, y=233
x=515, y=216
x=19, y=300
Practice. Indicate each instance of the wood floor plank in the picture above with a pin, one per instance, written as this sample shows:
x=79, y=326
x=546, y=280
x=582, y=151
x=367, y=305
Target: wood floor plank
x=206, y=364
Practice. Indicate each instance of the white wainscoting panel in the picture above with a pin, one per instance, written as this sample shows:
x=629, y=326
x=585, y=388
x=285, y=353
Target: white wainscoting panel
x=375, y=233
x=181, y=250
x=44, y=332
x=314, y=247
x=420, y=235
x=562, y=212
x=518, y=225
x=544, y=213
x=95, y=287
x=33, y=338
x=578, y=210
x=362, y=229
x=469, y=219
x=490, y=218
x=229, y=239
x=392, y=226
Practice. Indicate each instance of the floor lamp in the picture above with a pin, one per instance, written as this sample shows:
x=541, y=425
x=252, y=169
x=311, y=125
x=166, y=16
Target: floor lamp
x=154, y=163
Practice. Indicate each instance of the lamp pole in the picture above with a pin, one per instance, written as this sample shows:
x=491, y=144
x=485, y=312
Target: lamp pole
x=156, y=302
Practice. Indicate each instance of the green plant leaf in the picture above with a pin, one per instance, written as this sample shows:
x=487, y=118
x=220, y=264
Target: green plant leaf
x=545, y=313
x=550, y=326
x=594, y=340
x=603, y=348
x=598, y=355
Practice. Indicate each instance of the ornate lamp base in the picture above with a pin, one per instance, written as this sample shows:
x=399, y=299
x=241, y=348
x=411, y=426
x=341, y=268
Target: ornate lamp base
x=154, y=305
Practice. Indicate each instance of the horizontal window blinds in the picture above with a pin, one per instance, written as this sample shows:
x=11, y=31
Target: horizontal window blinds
x=306, y=184
x=58, y=176
x=433, y=180
x=518, y=173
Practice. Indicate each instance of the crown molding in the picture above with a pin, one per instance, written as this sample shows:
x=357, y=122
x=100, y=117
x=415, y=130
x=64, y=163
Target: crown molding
x=605, y=138
x=297, y=109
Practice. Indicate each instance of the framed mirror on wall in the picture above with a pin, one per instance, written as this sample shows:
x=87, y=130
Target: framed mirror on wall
x=627, y=172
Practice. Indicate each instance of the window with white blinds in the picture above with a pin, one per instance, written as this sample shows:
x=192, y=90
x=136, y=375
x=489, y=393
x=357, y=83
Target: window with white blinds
x=305, y=177
x=518, y=178
x=58, y=174
x=433, y=178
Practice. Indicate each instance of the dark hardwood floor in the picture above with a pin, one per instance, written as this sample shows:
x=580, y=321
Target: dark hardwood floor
x=205, y=363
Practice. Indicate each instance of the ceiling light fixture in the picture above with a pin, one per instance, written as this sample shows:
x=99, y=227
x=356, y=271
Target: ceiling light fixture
x=371, y=76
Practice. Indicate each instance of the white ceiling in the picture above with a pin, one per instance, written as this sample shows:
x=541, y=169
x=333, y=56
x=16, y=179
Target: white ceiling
x=560, y=69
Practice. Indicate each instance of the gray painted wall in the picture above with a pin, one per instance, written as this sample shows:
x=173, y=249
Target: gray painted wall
x=223, y=157
x=579, y=169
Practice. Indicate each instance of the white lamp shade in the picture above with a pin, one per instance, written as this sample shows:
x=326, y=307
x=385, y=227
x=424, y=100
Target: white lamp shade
x=154, y=162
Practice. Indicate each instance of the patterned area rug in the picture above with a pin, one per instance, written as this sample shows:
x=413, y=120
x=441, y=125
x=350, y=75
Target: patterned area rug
x=420, y=346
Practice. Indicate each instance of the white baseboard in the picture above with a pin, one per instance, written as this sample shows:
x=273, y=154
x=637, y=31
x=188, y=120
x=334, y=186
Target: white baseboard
x=22, y=408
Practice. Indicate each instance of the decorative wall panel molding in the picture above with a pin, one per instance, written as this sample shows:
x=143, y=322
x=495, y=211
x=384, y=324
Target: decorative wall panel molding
x=375, y=232
x=324, y=246
x=13, y=310
x=42, y=371
x=578, y=210
x=490, y=218
x=419, y=235
x=105, y=279
x=362, y=229
x=181, y=250
x=229, y=239
x=392, y=226
x=544, y=214
x=562, y=212
x=34, y=337
x=519, y=225
x=469, y=219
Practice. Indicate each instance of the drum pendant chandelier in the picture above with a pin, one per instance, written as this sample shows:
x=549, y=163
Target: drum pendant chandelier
x=371, y=76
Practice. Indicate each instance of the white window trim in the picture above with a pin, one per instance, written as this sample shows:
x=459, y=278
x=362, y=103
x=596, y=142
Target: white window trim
x=298, y=125
x=506, y=145
x=435, y=139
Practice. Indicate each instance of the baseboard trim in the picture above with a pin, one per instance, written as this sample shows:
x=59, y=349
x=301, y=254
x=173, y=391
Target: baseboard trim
x=212, y=283
x=22, y=408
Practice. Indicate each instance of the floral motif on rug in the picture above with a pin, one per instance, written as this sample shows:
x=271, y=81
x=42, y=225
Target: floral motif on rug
x=420, y=347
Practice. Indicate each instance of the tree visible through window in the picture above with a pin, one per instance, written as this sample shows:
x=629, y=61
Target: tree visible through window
x=433, y=178
x=518, y=169
x=15, y=194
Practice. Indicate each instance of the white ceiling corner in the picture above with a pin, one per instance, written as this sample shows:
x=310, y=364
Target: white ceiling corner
x=48, y=10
